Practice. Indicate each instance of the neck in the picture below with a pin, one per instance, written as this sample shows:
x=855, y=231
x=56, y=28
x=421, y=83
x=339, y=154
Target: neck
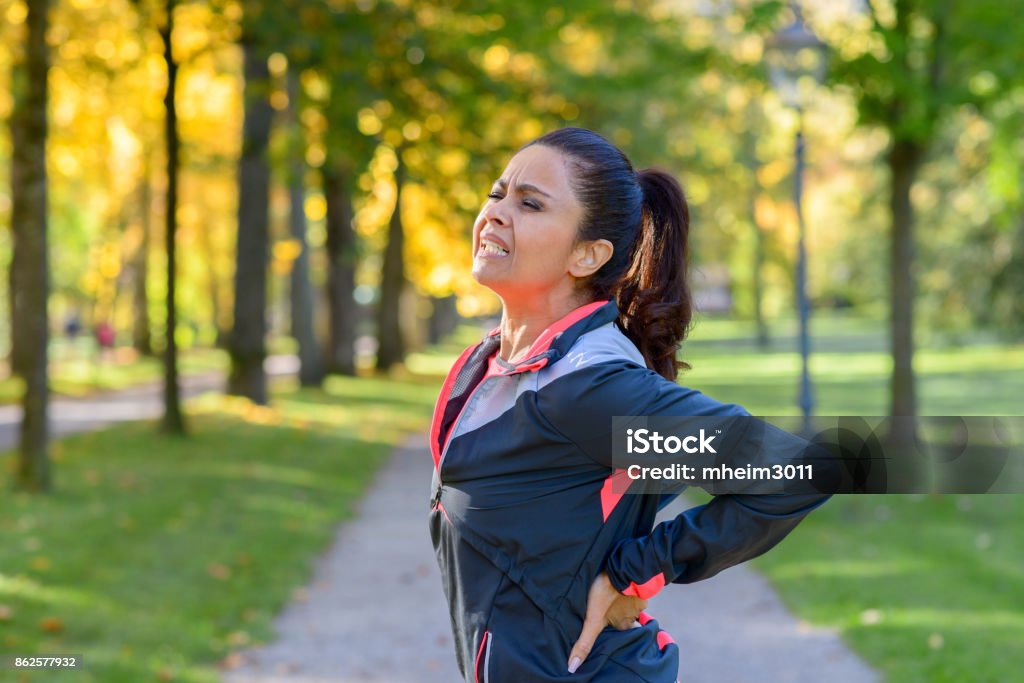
x=523, y=321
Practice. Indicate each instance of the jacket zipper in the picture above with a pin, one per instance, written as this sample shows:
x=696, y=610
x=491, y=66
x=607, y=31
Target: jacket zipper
x=435, y=501
x=485, y=652
x=487, y=658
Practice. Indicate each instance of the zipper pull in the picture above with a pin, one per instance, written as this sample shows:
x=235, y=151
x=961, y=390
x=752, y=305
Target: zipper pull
x=436, y=500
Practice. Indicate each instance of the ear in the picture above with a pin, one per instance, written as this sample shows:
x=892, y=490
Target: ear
x=588, y=257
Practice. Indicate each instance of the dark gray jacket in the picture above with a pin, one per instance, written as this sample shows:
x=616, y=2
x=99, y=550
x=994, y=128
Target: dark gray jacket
x=524, y=516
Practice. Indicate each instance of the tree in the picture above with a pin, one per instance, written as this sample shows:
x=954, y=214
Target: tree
x=141, y=339
x=246, y=345
x=930, y=51
x=341, y=267
x=390, y=341
x=30, y=274
x=173, y=421
x=311, y=366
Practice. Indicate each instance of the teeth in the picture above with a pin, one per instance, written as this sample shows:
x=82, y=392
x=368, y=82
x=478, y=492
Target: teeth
x=493, y=249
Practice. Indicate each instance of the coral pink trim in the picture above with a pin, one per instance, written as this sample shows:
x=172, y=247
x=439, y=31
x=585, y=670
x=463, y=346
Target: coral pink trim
x=479, y=653
x=648, y=589
x=609, y=498
x=442, y=401
x=543, y=342
x=444, y=512
x=664, y=639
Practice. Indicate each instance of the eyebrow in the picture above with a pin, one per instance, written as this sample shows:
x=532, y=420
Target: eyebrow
x=523, y=187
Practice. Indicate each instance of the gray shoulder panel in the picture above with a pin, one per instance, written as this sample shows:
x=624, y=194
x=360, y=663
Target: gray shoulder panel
x=603, y=345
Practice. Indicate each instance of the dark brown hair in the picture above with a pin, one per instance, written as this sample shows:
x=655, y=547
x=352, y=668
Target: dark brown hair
x=646, y=218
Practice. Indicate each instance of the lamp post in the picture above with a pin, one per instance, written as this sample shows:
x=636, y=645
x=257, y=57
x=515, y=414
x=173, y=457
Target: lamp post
x=796, y=65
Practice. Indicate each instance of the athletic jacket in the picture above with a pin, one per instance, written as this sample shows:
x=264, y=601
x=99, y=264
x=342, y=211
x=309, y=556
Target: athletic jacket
x=524, y=516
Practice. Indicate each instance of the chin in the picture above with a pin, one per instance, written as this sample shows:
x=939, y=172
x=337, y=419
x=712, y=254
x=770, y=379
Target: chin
x=490, y=280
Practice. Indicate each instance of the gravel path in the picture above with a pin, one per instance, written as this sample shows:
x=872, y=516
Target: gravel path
x=374, y=612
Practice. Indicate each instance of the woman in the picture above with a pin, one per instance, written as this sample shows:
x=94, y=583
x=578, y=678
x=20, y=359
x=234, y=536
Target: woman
x=546, y=567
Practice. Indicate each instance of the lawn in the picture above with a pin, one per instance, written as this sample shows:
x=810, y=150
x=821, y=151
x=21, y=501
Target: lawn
x=155, y=557
x=925, y=588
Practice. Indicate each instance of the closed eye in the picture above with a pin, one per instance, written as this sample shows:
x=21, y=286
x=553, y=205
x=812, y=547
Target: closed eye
x=528, y=203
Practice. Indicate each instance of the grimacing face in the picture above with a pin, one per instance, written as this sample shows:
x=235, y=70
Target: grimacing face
x=524, y=239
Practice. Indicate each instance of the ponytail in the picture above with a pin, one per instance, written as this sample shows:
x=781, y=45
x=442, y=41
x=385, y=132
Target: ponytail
x=645, y=217
x=655, y=304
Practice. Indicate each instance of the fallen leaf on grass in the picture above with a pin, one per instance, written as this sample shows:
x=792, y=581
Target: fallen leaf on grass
x=219, y=571
x=232, y=661
x=52, y=624
x=238, y=638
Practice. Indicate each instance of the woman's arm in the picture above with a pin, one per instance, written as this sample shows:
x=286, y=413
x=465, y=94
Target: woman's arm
x=703, y=540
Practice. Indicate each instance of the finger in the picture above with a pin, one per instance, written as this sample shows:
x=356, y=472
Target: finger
x=592, y=627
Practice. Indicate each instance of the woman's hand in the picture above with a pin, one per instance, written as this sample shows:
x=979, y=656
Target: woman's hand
x=605, y=607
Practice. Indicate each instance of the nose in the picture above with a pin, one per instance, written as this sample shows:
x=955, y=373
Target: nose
x=495, y=213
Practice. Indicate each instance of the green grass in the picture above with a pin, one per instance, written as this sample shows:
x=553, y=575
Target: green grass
x=850, y=369
x=84, y=372
x=155, y=556
x=927, y=589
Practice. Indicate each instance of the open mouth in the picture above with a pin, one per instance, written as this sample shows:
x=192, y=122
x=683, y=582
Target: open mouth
x=488, y=248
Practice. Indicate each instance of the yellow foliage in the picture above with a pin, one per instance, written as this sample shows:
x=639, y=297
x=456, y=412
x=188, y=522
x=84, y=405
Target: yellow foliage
x=17, y=11
x=452, y=161
x=278, y=64
x=496, y=59
x=287, y=250
x=411, y=131
x=772, y=173
x=316, y=207
x=582, y=48
x=369, y=123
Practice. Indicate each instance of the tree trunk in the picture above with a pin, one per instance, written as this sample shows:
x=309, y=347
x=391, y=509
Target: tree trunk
x=391, y=346
x=213, y=282
x=444, y=318
x=341, y=271
x=247, y=346
x=30, y=276
x=173, y=421
x=754, y=125
x=141, y=339
x=760, y=325
x=311, y=371
x=903, y=159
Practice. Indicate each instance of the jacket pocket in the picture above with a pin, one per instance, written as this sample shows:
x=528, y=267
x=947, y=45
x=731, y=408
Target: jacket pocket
x=483, y=658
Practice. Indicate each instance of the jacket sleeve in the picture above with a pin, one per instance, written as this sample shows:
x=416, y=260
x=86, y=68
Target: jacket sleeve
x=705, y=539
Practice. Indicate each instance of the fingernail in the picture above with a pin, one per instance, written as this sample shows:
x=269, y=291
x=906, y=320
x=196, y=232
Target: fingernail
x=574, y=664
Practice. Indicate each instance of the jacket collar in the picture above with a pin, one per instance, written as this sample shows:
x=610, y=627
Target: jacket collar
x=559, y=337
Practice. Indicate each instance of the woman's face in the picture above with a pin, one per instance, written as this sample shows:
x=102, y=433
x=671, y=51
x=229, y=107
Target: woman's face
x=524, y=240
